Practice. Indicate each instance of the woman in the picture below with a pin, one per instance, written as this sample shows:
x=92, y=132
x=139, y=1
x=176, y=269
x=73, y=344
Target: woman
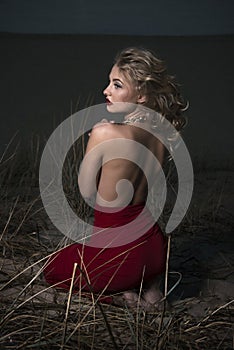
x=121, y=258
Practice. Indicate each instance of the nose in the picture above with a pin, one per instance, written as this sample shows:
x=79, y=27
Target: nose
x=106, y=91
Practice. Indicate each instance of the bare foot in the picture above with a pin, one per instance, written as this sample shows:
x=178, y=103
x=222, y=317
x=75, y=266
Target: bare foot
x=129, y=297
x=152, y=296
x=151, y=299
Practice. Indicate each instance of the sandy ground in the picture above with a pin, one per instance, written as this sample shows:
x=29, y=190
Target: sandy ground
x=203, y=251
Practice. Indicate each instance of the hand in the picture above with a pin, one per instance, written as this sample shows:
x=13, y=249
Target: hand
x=103, y=121
x=140, y=114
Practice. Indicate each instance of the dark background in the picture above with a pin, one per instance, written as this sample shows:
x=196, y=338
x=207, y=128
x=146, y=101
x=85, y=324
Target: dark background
x=56, y=56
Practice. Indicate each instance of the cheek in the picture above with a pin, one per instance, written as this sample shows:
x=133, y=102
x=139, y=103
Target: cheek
x=128, y=96
x=131, y=98
x=122, y=95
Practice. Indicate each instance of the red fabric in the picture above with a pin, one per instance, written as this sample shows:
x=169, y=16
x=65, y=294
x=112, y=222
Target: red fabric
x=113, y=269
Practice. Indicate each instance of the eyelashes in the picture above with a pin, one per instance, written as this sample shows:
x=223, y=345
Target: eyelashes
x=117, y=86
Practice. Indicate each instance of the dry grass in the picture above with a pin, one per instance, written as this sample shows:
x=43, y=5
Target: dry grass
x=37, y=316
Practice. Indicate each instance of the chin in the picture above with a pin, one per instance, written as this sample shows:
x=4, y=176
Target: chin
x=121, y=107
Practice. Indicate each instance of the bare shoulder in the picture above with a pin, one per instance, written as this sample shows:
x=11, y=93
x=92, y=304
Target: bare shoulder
x=106, y=131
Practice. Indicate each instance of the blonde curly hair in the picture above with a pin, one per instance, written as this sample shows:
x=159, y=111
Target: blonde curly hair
x=150, y=76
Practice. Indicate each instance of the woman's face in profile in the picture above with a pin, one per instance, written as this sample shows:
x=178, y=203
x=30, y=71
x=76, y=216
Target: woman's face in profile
x=120, y=89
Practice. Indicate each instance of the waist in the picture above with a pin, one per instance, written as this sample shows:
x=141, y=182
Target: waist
x=118, y=216
x=119, y=226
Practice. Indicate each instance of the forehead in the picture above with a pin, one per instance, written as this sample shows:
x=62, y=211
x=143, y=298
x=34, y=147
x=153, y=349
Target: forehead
x=116, y=73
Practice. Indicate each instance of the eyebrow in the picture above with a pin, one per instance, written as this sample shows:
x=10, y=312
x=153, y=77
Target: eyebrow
x=116, y=79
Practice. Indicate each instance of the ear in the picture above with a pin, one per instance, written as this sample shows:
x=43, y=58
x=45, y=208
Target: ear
x=141, y=99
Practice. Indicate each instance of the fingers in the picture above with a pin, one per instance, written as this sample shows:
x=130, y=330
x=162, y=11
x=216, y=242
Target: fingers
x=102, y=121
x=140, y=111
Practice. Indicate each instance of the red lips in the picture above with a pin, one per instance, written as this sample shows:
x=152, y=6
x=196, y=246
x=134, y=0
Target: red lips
x=108, y=101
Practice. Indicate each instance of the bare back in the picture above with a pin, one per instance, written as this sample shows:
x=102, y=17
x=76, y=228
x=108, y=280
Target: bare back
x=114, y=169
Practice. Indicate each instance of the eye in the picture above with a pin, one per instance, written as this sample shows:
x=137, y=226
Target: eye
x=117, y=86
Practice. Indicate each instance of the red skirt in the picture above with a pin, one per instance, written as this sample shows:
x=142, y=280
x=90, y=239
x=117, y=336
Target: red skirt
x=112, y=268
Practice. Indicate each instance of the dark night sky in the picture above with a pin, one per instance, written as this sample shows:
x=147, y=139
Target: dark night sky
x=41, y=75
x=132, y=17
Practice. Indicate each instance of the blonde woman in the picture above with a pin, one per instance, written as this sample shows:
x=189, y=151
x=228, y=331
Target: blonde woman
x=137, y=80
